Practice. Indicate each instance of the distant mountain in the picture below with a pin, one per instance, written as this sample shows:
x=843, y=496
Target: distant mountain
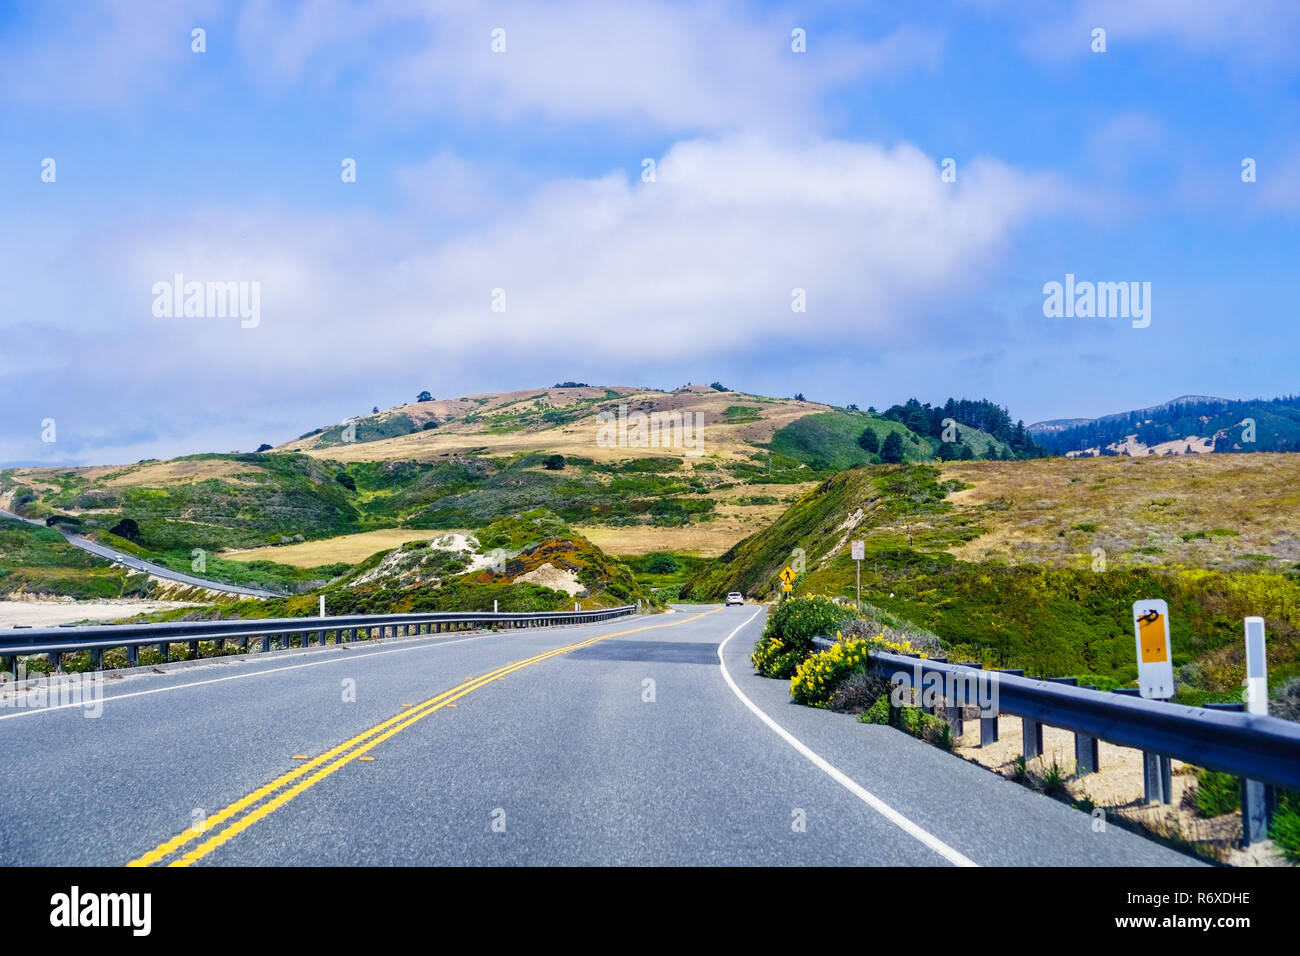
x=1189, y=424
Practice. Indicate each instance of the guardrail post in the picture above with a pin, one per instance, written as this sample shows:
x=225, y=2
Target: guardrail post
x=1157, y=769
x=56, y=660
x=97, y=657
x=1258, y=803
x=1031, y=733
x=988, y=725
x=988, y=730
x=1087, y=750
x=132, y=655
x=266, y=643
x=194, y=648
x=1157, y=778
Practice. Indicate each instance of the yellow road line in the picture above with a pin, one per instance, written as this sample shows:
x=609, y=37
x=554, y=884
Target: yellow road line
x=320, y=767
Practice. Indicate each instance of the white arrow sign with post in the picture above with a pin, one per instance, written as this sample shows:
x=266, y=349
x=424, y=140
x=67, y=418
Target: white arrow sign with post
x=1154, y=652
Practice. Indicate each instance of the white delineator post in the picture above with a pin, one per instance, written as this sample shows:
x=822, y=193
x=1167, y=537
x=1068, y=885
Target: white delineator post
x=1256, y=668
x=1256, y=798
x=322, y=605
x=859, y=551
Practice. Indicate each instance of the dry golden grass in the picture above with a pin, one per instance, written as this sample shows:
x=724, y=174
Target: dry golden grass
x=456, y=437
x=149, y=475
x=351, y=548
x=708, y=539
x=1056, y=511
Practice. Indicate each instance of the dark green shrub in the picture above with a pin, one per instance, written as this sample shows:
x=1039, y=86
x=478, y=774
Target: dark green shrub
x=1217, y=793
x=877, y=713
x=1286, y=825
x=661, y=564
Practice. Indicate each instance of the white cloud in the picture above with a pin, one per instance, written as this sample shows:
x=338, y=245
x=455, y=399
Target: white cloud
x=666, y=65
x=98, y=53
x=1262, y=33
x=618, y=273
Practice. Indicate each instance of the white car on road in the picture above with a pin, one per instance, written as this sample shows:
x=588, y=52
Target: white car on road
x=735, y=597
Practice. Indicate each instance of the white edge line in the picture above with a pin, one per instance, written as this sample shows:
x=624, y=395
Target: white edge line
x=866, y=796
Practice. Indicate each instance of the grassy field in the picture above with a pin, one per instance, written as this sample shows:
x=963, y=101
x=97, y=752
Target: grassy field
x=1205, y=511
x=347, y=548
x=1031, y=602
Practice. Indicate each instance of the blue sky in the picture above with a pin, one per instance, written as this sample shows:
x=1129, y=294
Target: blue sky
x=521, y=170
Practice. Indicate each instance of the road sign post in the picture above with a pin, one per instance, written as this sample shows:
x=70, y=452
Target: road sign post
x=787, y=579
x=859, y=550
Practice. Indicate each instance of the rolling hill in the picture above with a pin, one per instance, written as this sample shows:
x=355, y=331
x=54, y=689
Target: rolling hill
x=577, y=451
x=1190, y=424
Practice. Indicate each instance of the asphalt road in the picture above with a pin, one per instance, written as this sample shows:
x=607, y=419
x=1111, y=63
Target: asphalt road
x=137, y=564
x=630, y=742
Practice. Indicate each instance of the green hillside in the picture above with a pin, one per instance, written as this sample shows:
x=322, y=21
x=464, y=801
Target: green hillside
x=1055, y=621
x=38, y=561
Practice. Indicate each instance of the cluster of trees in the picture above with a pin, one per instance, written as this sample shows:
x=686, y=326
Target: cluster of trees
x=891, y=451
x=926, y=419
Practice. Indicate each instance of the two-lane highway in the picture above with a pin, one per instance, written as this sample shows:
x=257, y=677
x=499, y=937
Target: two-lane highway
x=646, y=740
x=148, y=567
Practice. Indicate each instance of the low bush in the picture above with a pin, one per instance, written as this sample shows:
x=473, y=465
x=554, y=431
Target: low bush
x=772, y=657
x=817, y=678
x=788, y=636
x=860, y=691
x=877, y=713
x=1217, y=793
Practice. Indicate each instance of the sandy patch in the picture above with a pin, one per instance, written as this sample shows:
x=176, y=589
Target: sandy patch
x=549, y=576
x=54, y=613
x=1117, y=788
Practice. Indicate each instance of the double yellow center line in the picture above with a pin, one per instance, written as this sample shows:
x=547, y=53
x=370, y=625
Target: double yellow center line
x=265, y=800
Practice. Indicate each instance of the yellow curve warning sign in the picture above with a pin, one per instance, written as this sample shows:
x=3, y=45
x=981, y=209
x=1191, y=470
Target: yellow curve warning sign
x=1151, y=630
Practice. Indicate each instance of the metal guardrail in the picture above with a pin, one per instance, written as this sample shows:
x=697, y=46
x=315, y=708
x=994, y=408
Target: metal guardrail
x=277, y=632
x=1265, y=749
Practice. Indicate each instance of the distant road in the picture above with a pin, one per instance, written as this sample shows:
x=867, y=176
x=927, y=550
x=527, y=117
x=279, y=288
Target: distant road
x=646, y=740
x=137, y=564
